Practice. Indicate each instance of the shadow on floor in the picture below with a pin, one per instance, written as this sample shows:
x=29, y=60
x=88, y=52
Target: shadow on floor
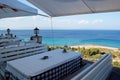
x=115, y=74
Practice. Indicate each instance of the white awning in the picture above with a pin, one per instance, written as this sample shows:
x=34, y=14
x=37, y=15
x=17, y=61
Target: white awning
x=56, y=8
x=14, y=8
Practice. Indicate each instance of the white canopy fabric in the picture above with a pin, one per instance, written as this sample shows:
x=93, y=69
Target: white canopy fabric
x=56, y=8
x=14, y=8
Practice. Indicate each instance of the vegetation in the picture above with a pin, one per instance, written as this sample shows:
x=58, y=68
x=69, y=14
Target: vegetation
x=116, y=64
x=93, y=54
x=119, y=49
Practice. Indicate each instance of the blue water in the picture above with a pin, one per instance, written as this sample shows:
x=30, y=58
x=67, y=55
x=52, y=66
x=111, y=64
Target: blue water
x=74, y=37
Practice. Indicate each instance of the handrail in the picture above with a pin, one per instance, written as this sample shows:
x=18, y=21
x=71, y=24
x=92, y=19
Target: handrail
x=18, y=52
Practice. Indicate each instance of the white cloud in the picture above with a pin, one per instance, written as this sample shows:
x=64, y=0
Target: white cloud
x=34, y=18
x=83, y=22
x=97, y=21
x=45, y=23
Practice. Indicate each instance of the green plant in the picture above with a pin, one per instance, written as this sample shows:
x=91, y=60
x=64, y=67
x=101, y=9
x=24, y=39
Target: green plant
x=116, y=64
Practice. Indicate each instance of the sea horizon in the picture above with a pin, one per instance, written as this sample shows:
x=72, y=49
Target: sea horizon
x=72, y=37
x=67, y=29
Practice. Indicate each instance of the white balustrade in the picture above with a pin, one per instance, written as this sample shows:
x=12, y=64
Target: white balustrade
x=98, y=70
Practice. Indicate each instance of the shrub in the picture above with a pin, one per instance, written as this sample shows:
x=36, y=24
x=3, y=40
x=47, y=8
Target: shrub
x=116, y=64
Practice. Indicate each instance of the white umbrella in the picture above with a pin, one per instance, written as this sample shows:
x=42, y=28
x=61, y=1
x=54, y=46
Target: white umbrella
x=56, y=8
x=14, y=8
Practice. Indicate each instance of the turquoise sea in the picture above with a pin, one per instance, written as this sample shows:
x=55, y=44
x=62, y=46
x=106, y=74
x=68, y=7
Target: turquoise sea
x=73, y=37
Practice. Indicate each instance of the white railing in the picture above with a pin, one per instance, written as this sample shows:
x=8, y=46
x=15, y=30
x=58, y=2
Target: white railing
x=98, y=70
x=22, y=51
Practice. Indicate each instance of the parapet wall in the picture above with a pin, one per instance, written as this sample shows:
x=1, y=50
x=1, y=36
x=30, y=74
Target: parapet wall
x=98, y=70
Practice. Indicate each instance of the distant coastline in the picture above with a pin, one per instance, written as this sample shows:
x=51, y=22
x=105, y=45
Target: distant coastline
x=87, y=46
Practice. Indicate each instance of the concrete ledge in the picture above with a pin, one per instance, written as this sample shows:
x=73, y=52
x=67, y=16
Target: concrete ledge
x=98, y=70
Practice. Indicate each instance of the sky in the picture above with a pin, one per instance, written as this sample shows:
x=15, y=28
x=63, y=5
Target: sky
x=98, y=21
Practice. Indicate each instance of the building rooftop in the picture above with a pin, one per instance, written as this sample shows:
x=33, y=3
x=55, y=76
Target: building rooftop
x=33, y=65
x=17, y=43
